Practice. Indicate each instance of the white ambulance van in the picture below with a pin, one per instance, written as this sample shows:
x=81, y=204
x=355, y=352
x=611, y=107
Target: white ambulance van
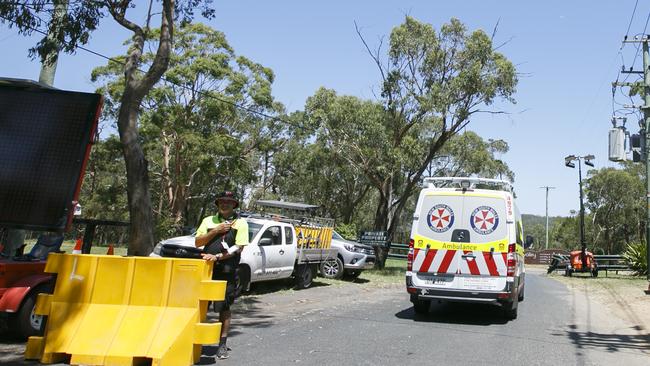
x=466, y=245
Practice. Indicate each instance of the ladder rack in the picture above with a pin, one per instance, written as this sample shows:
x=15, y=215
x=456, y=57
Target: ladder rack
x=468, y=182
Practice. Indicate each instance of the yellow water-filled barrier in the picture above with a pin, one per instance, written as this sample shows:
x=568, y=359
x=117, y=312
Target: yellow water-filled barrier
x=108, y=310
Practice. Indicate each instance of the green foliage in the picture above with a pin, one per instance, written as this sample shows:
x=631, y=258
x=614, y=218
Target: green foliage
x=431, y=84
x=74, y=27
x=197, y=141
x=348, y=231
x=615, y=199
x=102, y=194
x=635, y=255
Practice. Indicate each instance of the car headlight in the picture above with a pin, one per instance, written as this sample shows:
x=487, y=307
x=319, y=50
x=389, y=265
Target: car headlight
x=350, y=247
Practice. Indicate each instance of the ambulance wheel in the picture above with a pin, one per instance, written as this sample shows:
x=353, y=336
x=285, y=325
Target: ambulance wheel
x=421, y=306
x=510, y=310
x=521, y=294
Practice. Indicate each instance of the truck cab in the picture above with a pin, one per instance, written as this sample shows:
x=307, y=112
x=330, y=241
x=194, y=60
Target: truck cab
x=272, y=251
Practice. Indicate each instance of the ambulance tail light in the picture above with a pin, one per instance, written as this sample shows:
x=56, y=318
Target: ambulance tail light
x=409, y=256
x=512, y=259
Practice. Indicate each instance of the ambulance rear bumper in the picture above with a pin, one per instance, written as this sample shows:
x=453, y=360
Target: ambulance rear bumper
x=457, y=295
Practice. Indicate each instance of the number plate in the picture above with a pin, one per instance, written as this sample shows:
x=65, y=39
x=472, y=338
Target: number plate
x=444, y=281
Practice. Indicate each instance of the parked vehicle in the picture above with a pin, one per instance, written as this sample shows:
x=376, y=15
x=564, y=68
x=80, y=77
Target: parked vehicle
x=466, y=245
x=575, y=263
x=351, y=258
x=279, y=248
x=22, y=278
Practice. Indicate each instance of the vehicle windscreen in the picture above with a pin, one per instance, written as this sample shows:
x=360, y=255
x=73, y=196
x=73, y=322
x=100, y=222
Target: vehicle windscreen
x=336, y=236
x=482, y=218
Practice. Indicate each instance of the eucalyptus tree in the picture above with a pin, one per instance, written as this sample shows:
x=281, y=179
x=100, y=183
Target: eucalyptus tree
x=203, y=124
x=432, y=84
x=615, y=199
x=73, y=29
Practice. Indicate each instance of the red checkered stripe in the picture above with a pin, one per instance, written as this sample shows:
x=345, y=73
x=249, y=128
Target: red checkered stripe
x=451, y=261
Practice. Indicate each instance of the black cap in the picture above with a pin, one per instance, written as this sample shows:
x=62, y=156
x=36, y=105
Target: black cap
x=227, y=196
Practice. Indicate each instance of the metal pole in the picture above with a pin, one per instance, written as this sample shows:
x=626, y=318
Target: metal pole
x=546, y=245
x=547, y=188
x=583, y=244
x=646, y=115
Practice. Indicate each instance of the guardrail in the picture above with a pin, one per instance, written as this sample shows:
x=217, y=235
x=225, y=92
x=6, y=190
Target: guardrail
x=398, y=251
x=604, y=262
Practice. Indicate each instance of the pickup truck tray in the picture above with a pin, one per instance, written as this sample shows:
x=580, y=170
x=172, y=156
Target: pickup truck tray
x=314, y=255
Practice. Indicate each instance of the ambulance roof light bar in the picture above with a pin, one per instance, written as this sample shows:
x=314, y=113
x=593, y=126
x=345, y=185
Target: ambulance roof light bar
x=467, y=182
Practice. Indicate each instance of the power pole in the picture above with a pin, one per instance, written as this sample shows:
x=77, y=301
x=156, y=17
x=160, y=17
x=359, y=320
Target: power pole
x=646, y=118
x=646, y=127
x=547, y=188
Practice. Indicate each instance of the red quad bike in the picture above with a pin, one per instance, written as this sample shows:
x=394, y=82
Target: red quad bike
x=21, y=280
x=576, y=263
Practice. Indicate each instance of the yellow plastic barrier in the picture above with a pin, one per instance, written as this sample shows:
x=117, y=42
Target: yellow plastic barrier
x=109, y=310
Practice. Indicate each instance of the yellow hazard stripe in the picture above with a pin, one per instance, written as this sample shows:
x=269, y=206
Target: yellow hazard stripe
x=500, y=246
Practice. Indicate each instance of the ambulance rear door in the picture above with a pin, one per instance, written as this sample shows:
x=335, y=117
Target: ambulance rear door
x=461, y=240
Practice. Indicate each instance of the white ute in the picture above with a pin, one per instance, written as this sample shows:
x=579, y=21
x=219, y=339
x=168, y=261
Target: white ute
x=278, y=249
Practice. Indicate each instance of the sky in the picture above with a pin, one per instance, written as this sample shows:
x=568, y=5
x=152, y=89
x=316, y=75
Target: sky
x=566, y=52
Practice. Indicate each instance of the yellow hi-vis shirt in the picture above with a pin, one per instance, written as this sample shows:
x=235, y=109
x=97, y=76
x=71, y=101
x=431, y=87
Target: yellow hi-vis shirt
x=241, y=239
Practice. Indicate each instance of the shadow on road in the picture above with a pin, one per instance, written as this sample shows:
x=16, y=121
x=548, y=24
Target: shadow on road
x=607, y=342
x=266, y=287
x=11, y=349
x=457, y=313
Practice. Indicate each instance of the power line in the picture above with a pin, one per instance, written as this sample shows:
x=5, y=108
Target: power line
x=236, y=105
x=629, y=25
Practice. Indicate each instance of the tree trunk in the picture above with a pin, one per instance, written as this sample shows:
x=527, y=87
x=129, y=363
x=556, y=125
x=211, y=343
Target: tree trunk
x=137, y=174
x=382, y=221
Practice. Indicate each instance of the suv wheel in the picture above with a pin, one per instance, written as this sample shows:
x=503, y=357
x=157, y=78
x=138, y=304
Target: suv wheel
x=332, y=268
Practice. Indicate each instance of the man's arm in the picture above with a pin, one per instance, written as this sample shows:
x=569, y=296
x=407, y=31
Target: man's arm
x=204, y=235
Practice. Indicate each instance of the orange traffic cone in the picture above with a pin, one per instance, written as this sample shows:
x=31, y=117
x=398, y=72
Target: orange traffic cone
x=77, y=247
x=110, y=250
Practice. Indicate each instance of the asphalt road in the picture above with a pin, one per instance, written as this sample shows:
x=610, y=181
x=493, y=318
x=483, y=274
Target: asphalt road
x=345, y=326
x=366, y=324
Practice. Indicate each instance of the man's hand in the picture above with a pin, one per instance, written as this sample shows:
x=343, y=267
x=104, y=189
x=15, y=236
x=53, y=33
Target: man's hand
x=222, y=228
x=211, y=257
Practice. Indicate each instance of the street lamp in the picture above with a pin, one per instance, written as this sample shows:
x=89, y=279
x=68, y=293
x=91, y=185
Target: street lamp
x=568, y=161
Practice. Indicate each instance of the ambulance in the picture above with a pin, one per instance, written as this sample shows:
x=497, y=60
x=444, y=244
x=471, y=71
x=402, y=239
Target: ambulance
x=466, y=245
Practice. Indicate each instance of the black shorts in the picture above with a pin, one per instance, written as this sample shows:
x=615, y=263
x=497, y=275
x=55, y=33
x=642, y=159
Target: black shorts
x=231, y=288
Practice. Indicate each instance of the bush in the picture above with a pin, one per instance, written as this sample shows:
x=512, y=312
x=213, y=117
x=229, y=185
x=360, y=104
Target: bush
x=348, y=231
x=635, y=256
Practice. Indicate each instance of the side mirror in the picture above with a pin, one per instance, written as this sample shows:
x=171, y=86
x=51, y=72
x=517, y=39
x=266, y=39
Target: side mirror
x=529, y=241
x=266, y=241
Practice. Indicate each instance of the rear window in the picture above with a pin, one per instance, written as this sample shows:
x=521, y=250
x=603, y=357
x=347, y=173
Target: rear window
x=483, y=218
